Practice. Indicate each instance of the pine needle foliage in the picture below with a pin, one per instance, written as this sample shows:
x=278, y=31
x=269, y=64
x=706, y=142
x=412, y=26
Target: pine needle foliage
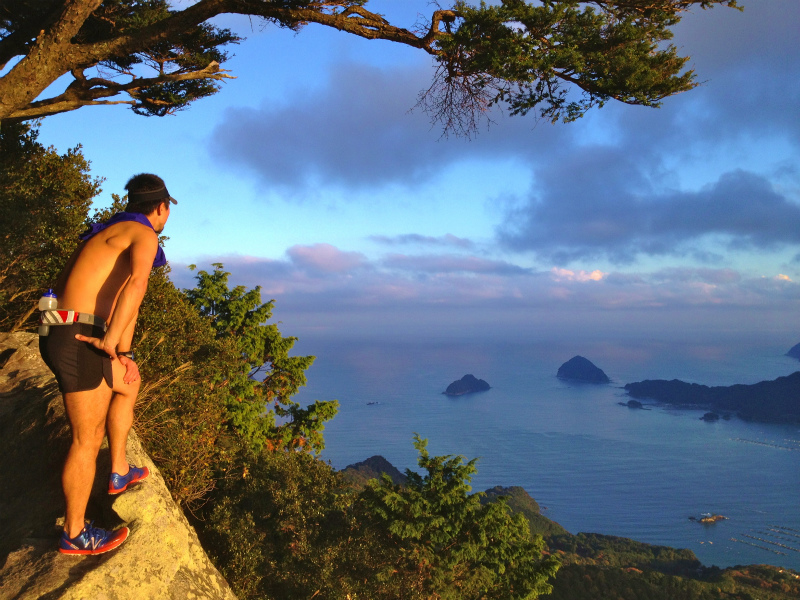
x=259, y=384
x=442, y=543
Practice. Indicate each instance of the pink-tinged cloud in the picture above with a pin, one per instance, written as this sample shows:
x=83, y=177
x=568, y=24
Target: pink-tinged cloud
x=324, y=258
x=580, y=276
x=322, y=275
x=322, y=288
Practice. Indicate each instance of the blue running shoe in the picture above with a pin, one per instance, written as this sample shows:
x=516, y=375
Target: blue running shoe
x=119, y=483
x=92, y=540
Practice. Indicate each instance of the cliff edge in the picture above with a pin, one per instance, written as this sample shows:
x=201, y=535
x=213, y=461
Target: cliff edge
x=162, y=558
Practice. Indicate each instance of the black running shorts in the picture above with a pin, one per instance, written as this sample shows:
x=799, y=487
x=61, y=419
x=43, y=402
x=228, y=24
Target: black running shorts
x=78, y=366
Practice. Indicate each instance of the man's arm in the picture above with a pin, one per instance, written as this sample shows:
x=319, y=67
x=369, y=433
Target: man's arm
x=142, y=253
x=126, y=339
x=124, y=345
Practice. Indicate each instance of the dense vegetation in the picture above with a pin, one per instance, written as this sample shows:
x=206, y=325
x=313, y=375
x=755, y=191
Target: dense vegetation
x=44, y=198
x=599, y=566
x=595, y=566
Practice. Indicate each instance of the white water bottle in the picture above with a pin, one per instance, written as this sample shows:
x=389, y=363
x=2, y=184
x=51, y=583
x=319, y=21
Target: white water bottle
x=48, y=301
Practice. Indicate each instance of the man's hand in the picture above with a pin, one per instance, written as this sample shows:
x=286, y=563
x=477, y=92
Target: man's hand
x=104, y=345
x=131, y=369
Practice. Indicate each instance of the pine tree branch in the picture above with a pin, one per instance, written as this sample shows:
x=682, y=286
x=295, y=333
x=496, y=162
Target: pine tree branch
x=89, y=92
x=61, y=46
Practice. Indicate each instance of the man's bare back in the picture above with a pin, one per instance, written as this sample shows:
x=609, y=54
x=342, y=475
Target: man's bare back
x=111, y=269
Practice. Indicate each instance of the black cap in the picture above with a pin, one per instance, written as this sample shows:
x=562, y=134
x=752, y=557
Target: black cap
x=159, y=194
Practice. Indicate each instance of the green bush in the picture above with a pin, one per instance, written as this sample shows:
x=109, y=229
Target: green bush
x=260, y=376
x=441, y=542
x=282, y=529
x=319, y=538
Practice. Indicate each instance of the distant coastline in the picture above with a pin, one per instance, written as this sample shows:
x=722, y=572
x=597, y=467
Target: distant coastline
x=776, y=401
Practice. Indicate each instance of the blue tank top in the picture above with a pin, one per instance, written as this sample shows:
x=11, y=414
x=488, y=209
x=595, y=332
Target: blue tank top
x=96, y=228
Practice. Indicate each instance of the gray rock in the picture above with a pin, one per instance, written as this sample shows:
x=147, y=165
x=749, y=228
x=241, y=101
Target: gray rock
x=579, y=368
x=466, y=385
x=162, y=558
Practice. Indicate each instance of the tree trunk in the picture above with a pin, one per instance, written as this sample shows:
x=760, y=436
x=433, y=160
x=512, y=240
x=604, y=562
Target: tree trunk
x=48, y=59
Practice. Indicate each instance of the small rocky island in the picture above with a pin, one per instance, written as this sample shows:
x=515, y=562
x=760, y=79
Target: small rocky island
x=794, y=352
x=633, y=404
x=708, y=519
x=579, y=368
x=466, y=385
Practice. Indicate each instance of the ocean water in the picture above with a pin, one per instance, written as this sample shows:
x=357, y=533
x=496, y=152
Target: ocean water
x=591, y=464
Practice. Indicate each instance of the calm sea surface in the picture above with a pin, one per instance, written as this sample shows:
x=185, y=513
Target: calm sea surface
x=593, y=465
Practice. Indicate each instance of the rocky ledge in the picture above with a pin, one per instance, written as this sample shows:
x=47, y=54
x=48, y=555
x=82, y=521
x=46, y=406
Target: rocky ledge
x=162, y=558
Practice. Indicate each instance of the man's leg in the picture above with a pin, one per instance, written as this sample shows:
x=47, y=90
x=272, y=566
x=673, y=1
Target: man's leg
x=120, y=418
x=86, y=412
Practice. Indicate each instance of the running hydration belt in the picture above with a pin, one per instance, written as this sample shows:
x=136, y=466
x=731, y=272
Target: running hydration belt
x=68, y=317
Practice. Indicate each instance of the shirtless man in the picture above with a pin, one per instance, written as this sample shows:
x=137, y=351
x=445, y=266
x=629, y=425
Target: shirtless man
x=102, y=284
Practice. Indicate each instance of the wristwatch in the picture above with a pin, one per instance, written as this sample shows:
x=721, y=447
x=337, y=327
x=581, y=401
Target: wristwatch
x=129, y=355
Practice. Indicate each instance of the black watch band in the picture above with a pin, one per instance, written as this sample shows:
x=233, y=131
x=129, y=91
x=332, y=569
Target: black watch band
x=129, y=355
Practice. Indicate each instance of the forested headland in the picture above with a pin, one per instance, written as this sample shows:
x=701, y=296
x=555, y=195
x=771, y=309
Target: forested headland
x=776, y=401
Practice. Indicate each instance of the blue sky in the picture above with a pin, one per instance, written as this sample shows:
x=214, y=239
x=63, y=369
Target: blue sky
x=311, y=176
